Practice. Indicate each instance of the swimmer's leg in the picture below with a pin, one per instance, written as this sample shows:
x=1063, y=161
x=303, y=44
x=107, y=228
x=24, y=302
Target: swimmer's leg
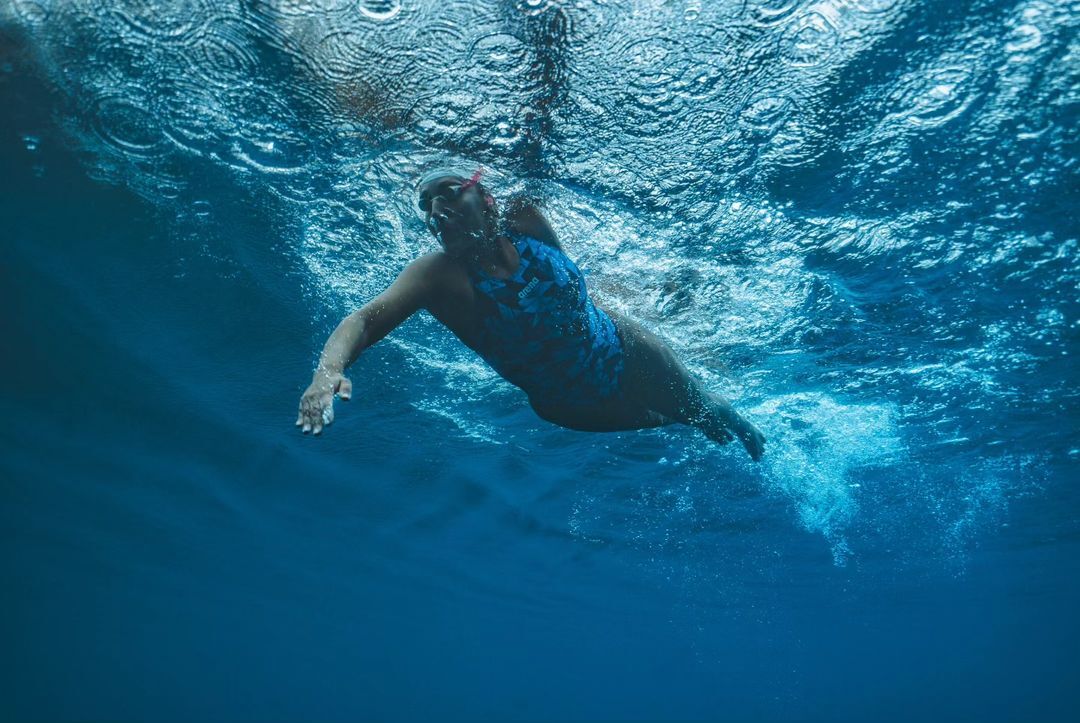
x=655, y=378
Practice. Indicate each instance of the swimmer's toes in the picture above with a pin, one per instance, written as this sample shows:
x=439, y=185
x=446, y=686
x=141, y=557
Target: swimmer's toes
x=756, y=448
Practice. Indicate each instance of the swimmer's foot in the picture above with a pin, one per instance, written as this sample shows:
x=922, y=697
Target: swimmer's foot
x=726, y=424
x=751, y=437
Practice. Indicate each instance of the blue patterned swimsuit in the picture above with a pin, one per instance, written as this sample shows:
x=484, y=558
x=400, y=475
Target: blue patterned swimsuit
x=542, y=332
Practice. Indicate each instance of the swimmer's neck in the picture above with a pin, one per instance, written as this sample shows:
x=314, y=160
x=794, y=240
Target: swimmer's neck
x=501, y=259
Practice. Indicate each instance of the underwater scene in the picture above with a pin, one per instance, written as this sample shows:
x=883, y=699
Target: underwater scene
x=855, y=219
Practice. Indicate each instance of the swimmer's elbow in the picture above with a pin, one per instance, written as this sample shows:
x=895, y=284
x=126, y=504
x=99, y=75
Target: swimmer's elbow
x=360, y=321
x=372, y=324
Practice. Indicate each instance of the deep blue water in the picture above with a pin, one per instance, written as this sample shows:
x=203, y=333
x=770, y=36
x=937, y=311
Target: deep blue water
x=856, y=218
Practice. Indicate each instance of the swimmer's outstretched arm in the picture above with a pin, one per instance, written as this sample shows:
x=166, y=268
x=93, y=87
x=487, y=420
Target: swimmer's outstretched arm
x=357, y=332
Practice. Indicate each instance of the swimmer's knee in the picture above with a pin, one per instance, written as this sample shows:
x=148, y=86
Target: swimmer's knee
x=646, y=349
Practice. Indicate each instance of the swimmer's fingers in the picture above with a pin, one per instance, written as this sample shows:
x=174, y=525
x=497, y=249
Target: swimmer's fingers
x=301, y=416
x=307, y=415
x=325, y=415
x=321, y=413
x=317, y=406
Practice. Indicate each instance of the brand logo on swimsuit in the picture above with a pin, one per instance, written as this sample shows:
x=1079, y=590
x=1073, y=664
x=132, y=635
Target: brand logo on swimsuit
x=528, y=287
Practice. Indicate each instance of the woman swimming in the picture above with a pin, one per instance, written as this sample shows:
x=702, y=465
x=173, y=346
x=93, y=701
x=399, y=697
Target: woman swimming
x=503, y=285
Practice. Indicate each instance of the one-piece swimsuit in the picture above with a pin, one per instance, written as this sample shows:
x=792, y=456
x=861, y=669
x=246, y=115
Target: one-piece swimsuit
x=542, y=332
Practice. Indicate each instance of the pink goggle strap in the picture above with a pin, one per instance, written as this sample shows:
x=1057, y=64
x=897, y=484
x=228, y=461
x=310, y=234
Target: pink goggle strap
x=474, y=180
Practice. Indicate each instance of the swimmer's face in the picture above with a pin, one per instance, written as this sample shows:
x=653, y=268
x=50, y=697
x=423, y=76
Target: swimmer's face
x=457, y=213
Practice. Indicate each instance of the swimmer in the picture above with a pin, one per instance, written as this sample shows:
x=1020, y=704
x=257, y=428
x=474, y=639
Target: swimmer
x=503, y=285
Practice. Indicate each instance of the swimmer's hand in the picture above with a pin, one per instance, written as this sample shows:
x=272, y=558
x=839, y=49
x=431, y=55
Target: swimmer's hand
x=750, y=436
x=317, y=404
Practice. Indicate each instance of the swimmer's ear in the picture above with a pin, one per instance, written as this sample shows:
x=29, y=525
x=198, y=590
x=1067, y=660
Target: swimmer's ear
x=489, y=200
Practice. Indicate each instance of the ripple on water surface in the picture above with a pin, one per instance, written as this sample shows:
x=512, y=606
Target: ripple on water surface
x=30, y=12
x=224, y=56
x=439, y=44
x=196, y=118
x=1028, y=31
x=775, y=124
x=934, y=96
x=873, y=7
x=501, y=54
x=126, y=125
x=765, y=112
x=770, y=13
x=653, y=80
x=177, y=21
x=270, y=138
x=809, y=40
x=379, y=10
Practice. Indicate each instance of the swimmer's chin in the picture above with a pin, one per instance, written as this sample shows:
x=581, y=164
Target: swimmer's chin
x=459, y=253
x=460, y=249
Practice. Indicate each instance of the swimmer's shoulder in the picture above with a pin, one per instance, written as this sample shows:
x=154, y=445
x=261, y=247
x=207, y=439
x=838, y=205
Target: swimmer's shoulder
x=446, y=279
x=523, y=215
x=450, y=296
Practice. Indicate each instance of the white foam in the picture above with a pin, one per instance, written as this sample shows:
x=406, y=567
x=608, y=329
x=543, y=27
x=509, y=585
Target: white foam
x=816, y=450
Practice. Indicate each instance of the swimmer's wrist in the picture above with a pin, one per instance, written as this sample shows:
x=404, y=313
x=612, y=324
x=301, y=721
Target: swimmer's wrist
x=326, y=371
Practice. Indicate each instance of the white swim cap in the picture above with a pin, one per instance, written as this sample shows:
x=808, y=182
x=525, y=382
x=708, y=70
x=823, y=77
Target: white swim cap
x=437, y=173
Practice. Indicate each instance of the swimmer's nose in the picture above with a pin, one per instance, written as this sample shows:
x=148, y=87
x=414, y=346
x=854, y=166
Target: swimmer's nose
x=440, y=220
x=442, y=213
x=440, y=206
